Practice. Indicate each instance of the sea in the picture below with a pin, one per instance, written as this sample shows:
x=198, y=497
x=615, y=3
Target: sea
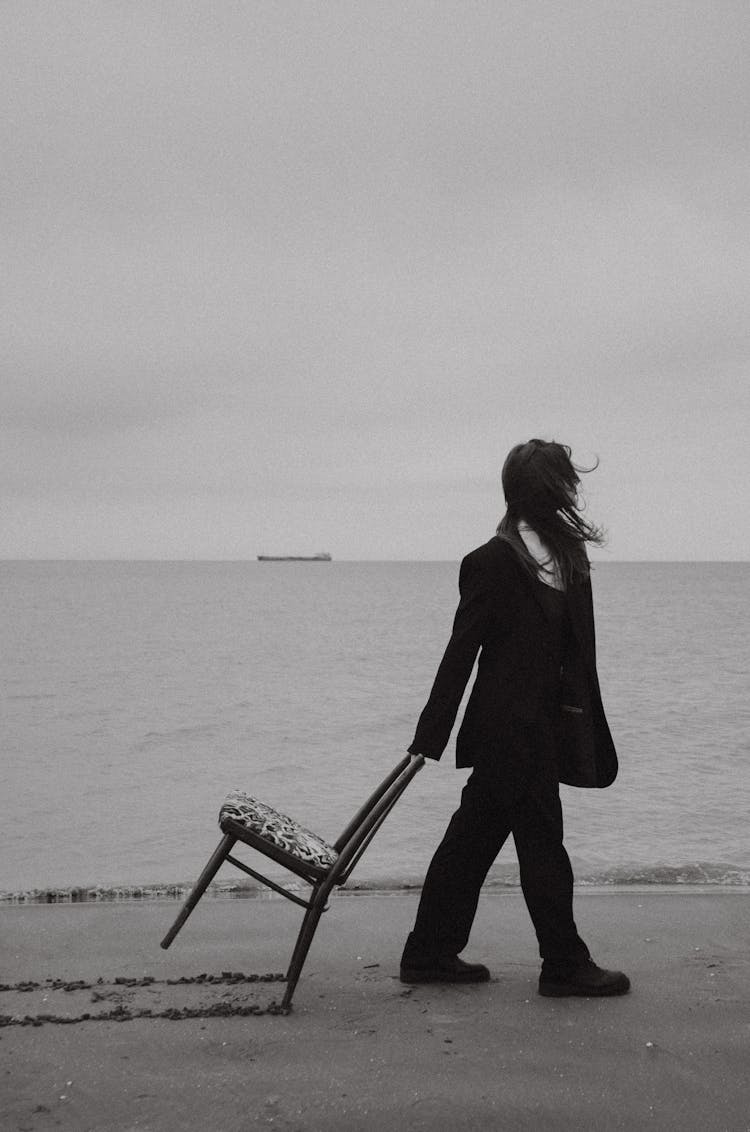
x=137, y=694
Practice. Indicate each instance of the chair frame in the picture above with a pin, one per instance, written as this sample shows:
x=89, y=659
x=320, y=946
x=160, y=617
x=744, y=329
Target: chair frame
x=350, y=845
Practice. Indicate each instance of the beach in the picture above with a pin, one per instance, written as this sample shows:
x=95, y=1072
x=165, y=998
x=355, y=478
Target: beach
x=360, y=1050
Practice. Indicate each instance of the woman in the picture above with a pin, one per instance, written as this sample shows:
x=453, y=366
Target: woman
x=534, y=719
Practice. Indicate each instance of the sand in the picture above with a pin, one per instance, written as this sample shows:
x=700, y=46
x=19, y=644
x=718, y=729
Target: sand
x=360, y=1050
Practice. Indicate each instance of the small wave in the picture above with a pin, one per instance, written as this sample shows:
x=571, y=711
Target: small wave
x=697, y=876
x=142, y=893
x=285, y=771
x=175, y=734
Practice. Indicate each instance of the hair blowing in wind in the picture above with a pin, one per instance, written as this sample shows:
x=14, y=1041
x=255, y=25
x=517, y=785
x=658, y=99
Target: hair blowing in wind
x=540, y=482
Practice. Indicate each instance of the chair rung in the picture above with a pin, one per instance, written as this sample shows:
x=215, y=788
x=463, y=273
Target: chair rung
x=269, y=883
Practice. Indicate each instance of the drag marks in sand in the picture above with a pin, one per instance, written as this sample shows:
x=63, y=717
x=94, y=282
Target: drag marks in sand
x=65, y=1002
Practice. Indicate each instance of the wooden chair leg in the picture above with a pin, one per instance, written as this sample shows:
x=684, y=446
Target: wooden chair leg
x=304, y=939
x=214, y=864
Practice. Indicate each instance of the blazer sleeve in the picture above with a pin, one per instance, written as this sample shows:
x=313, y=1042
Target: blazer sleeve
x=469, y=629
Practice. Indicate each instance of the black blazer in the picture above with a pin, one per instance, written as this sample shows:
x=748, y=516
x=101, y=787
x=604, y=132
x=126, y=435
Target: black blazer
x=520, y=718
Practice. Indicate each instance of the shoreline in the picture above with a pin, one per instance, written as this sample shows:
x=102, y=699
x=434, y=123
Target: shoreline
x=241, y=890
x=702, y=876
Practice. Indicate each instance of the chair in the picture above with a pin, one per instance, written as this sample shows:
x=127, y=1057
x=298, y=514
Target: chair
x=323, y=866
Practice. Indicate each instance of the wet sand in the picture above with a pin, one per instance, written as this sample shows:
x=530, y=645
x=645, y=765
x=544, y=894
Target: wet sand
x=360, y=1050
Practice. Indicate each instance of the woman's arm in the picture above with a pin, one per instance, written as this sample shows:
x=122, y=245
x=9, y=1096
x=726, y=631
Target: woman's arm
x=469, y=629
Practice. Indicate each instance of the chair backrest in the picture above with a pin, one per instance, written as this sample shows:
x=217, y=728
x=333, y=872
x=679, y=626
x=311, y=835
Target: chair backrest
x=360, y=831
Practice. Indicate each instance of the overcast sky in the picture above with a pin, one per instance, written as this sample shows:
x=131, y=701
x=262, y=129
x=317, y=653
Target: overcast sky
x=295, y=276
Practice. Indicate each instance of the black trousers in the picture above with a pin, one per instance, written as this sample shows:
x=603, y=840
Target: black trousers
x=488, y=813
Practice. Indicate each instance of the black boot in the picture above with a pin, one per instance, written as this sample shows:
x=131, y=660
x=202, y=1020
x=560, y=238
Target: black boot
x=583, y=979
x=419, y=967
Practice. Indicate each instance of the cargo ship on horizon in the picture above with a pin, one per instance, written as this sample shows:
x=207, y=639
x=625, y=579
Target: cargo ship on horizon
x=321, y=556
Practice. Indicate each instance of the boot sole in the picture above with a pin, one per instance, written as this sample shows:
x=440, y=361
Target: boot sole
x=570, y=990
x=436, y=977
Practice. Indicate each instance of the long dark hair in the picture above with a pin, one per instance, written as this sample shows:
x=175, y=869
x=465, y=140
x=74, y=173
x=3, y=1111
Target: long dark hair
x=540, y=482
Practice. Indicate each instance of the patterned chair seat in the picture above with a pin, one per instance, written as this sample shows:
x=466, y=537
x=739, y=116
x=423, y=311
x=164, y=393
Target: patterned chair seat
x=277, y=828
